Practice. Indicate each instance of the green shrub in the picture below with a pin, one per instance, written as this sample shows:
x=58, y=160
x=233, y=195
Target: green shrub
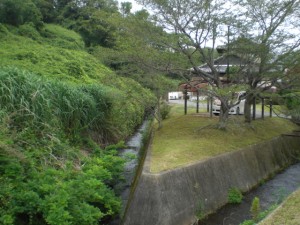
x=248, y=222
x=292, y=100
x=3, y=30
x=165, y=109
x=74, y=69
x=235, y=196
x=44, y=179
x=62, y=195
x=29, y=30
x=62, y=37
x=18, y=12
x=199, y=211
x=255, y=209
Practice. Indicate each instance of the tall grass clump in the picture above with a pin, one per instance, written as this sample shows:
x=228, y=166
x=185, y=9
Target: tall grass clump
x=38, y=103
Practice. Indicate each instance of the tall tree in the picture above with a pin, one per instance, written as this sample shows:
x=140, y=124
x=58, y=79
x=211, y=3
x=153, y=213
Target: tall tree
x=18, y=12
x=273, y=28
x=196, y=25
x=270, y=31
x=126, y=8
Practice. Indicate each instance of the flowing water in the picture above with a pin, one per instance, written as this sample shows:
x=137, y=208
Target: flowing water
x=270, y=193
x=132, y=153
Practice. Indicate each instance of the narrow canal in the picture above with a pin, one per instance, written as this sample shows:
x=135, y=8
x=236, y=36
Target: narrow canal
x=132, y=154
x=271, y=192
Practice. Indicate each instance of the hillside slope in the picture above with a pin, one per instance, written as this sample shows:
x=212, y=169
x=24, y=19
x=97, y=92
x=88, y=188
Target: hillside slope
x=59, y=108
x=59, y=54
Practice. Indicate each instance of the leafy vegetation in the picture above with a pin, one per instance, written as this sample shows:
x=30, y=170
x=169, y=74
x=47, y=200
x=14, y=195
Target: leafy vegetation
x=38, y=103
x=51, y=57
x=255, y=209
x=199, y=212
x=48, y=181
x=58, y=104
x=261, y=215
x=43, y=177
x=235, y=196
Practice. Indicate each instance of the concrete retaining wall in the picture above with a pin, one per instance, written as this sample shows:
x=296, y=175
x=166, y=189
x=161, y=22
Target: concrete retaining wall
x=174, y=197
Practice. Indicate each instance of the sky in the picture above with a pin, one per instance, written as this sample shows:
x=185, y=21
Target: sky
x=135, y=6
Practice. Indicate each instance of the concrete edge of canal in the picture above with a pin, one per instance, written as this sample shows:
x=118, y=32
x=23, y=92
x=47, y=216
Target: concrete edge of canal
x=175, y=197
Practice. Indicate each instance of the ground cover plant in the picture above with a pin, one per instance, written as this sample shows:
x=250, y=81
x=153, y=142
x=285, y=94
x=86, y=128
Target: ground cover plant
x=184, y=139
x=235, y=196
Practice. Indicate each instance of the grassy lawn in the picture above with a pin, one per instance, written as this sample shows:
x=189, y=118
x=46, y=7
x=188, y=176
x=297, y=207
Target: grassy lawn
x=188, y=138
x=287, y=213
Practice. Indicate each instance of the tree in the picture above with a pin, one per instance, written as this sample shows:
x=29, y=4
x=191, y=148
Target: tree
x=18, y=12
x=126, y=8
x=47, y=9
x=90, y=18
x=195, y=26
x=264, y=41
x=136, y=55
x=273, y=30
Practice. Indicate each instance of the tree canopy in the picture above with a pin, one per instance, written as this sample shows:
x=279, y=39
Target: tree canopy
x=263, y=33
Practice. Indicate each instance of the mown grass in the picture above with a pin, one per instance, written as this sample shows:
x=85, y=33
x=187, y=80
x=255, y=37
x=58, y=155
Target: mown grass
x=287, y=213
x=189, y=138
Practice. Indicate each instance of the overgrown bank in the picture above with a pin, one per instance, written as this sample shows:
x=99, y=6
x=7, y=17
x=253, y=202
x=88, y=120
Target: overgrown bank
x=58, y=105
x=58, y=54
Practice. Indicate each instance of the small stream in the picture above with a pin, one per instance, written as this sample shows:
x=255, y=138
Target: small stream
x=271, y=192
x=132, y=153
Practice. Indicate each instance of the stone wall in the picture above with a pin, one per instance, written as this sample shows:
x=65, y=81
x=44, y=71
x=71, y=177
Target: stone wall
x=174, y=197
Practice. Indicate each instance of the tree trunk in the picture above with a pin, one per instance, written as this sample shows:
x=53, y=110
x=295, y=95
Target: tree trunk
x=157, y=114
x=223, y=118
x=247, y=109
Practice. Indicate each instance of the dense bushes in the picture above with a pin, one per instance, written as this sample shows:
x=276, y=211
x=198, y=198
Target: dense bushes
x=39, y=186
x=43, y=178
x=18, y=12
x=292, y=102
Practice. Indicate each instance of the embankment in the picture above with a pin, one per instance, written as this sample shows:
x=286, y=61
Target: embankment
x=175, y=197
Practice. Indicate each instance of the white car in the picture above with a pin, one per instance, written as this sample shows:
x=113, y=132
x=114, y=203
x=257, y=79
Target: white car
x=238, y=100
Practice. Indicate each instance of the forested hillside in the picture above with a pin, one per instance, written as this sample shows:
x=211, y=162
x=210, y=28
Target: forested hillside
x=71, y=90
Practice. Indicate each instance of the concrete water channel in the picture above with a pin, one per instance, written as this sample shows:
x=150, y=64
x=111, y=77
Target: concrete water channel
x=149, y=200
x=270, y=193
x=133, y=154
x=173, y=197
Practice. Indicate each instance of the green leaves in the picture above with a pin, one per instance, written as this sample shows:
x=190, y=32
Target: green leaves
x=40, y=103
x=67, y=195
x=18, y=12
x=235, y=196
